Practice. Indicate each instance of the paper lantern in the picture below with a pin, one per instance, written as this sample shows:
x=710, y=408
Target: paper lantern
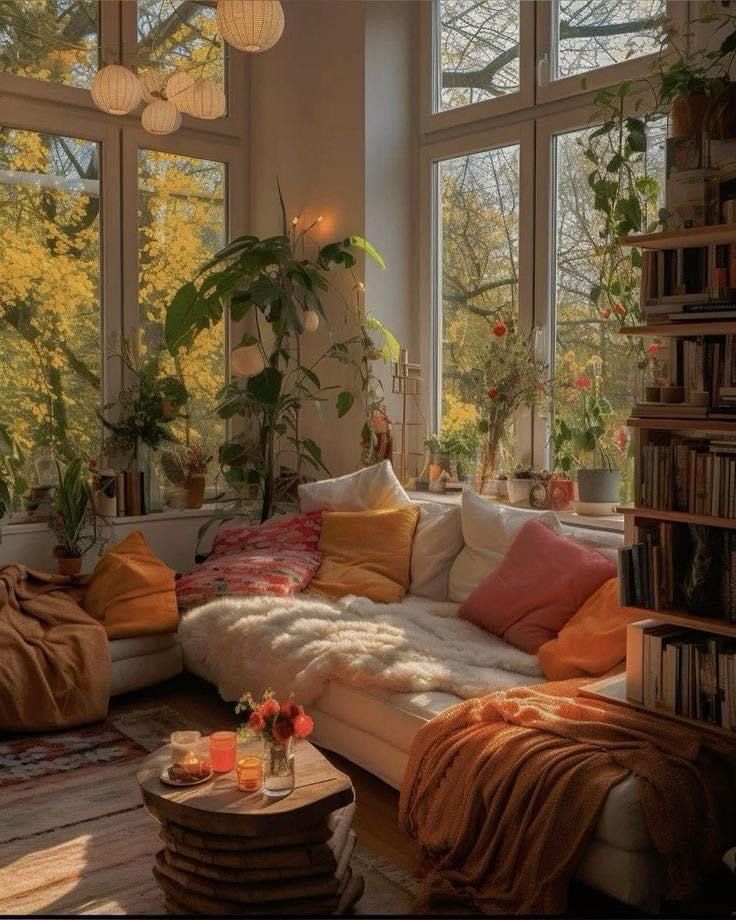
x=205, y=100
x=116, y=90
x=250, y=25
x=177, y=90
x=311, y=321
x=246, y=361
x=152, y=84
x=161, y=117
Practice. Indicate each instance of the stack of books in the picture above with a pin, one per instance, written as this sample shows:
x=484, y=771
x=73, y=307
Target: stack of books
x=687, y=474
x=646, y=570
x=682, y=672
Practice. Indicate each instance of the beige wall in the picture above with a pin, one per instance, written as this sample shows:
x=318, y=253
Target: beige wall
x=330, y=118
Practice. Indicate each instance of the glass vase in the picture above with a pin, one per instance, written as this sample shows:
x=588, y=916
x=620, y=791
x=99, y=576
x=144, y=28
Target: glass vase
x=278, y=768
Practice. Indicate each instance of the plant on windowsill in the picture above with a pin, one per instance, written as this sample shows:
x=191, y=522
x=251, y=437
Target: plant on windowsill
x=186, y=468
x=271, y=283
x=73, y=522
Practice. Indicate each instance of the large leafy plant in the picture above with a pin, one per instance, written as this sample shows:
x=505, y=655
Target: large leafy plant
x=278, y=290
x=72, y=521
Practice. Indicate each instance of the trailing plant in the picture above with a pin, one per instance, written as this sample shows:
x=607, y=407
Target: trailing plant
x=13, y=484
x=72, y=520
x=273, y=285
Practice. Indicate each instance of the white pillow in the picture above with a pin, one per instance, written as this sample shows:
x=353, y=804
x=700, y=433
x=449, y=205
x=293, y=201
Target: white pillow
x=365, y=490
x=488, y=532
x=605, y=542
x=437, y=541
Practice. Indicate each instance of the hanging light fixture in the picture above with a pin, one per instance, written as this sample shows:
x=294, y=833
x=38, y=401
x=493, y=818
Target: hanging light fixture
x=161, y=117
x=250, y=25
x=177, y=90
x=311, y=321
x=246, y=361
x=205, y=100
x=152, y=84
x=116, y=90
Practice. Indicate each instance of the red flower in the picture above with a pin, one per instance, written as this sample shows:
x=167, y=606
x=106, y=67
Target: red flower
x=303, y=726
x=256, y=722
x=606, y=313
x=291, y=710
x=499, y=329
x=583, y=383
x=268, y=708
x=620, y=310
x=652, y=349
x=491, y=392
x=283, y=729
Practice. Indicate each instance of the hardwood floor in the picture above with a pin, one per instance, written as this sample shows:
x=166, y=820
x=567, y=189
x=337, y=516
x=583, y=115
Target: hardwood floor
x=377, y=804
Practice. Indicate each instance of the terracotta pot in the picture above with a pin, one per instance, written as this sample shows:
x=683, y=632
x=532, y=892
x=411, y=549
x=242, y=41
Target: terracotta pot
x=688, y=114
x=195, y=491
x=69, y=565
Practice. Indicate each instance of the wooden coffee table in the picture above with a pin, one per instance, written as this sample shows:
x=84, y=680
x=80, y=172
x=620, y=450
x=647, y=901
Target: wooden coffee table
x=228, y=852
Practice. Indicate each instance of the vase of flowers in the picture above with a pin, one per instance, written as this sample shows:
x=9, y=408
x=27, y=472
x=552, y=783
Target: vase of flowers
x=278, y=725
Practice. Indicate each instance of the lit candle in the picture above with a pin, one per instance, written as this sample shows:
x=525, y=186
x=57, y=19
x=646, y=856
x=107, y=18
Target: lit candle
x=183, y=744
x=249, y=774
x=222, y=751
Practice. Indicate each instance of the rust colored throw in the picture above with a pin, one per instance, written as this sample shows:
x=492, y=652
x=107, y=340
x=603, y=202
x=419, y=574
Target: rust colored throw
x=54, y=657
x=504, y=792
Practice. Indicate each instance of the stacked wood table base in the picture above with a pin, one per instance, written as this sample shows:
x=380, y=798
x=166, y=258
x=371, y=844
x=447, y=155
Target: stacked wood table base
x=225, y=852
x=306, y=872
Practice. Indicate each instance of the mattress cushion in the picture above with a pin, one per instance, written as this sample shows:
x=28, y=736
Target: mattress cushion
x=121, y=649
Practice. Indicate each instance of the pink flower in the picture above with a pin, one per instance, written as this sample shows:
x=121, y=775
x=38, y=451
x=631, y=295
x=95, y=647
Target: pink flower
x=620, y=310
x=291, y=710
x=620, y=437
x=303, y=726
x=606, y=313
x=268, y=708
x=583, y=383
x=491, y=392
x=652, y=350
x=256, y=722
x=499, y=329
x=283, y=729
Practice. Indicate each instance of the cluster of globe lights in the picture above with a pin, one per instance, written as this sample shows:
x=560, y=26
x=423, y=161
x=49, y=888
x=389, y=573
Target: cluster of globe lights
x=248, y=25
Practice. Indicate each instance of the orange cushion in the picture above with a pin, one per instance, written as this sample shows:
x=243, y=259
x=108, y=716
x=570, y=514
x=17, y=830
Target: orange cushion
x=132, y=591
x=366, y=553
x=594, y=640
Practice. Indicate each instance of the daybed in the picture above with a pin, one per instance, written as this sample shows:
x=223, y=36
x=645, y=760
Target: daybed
x=375, y=728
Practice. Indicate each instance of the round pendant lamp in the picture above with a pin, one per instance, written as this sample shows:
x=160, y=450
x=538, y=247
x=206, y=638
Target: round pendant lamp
x=161, y=117
x=152, y=84
x=250, y=25
x=311, y=321
x=205, y=100
x=116, y=90
x=177, y=90
x=246, y=361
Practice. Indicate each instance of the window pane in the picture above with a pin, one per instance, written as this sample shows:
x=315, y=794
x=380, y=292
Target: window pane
x=50, y=349
x=478, y=50
x=180, y=34
x=181, y=223
x=480, y=259
x=587, y=342
x=595, y=33
x=55, y=40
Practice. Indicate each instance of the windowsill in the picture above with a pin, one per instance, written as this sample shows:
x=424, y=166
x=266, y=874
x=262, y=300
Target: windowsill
x=170, y=514
x=612, y=523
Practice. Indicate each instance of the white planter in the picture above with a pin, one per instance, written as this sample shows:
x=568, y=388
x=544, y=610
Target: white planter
x=519, y=491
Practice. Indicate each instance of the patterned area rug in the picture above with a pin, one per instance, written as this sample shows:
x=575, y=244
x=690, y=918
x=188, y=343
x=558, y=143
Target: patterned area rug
x=76, y=839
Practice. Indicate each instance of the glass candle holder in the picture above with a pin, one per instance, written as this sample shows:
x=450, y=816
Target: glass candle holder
x=184, y=744
x=249, y=774
x=222, y=751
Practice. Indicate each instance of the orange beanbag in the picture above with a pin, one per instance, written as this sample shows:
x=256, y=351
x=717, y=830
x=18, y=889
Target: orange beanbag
x=366, y=553
x=131, y=591
x=594, y=640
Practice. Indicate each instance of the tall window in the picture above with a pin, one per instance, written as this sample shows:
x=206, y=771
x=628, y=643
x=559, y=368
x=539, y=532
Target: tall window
x=181, y=224
x=480, y=268
x=49, y=278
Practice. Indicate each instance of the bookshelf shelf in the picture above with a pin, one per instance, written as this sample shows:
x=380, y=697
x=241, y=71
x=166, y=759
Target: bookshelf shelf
x=683, y=327
x=613, y=690
x=682, y=239
x=682, y=424
x=678, y=517
x=690, y=621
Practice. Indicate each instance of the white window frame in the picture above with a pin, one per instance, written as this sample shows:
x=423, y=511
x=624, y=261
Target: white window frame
x=49, y=108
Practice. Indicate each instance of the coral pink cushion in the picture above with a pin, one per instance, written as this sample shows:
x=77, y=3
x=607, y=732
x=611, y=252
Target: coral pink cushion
x=543, y=580
x=282, y=572
x=300, y=533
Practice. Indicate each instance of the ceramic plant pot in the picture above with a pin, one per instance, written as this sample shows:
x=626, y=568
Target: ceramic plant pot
x=195, y=491
x=519, y=491
x=69, y=565
x=599, y=485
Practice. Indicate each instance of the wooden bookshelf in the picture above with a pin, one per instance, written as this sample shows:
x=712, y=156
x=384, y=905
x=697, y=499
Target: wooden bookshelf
x=677, y=517
x=613, y=690
x=678, y=423
x=682, y=239
x=683, y=327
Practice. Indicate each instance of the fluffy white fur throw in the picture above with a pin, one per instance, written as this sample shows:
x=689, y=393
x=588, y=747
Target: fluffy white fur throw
x=299, y=643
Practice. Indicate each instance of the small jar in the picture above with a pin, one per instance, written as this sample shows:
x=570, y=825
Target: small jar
x=184, y=745
x=249, y=774
x=222, y=751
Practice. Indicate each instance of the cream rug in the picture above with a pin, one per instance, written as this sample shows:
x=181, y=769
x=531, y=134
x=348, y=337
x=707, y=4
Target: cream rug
x=76, y=839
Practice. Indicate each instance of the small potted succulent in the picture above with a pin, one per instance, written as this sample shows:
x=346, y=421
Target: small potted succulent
x=72, y=520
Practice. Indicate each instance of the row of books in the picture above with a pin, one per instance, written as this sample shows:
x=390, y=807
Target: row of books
x=682, y=671
x=694, y=476
x=646, y=569
x=688, y=280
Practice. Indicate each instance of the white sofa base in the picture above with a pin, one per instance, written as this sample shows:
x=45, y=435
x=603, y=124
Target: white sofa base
x=142, y=661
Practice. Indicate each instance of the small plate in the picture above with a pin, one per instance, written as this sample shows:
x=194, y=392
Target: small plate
x=165, y=778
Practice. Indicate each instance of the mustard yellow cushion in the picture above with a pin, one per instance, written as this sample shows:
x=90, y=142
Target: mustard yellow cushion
x=131, y=591
x=366, y=553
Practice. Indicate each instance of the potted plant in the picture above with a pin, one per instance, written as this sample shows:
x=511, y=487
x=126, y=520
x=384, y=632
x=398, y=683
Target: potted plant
x=519, y=485
x=72, y=521
x=196, y=460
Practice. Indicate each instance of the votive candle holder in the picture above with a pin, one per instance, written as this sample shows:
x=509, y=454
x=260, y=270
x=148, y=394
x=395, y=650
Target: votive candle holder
x=183, y=745
x=222, y=751
x=249, y=774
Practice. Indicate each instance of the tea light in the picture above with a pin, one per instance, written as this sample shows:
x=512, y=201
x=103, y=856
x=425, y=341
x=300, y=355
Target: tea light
x=249, y=774
x=222, y=751
x=183, y=744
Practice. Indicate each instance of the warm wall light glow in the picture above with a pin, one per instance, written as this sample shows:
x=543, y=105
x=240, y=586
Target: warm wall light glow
x=250, y=25
x=116, y=90
x=161, y=117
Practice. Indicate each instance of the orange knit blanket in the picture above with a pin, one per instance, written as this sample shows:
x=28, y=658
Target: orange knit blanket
x=504, y=792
